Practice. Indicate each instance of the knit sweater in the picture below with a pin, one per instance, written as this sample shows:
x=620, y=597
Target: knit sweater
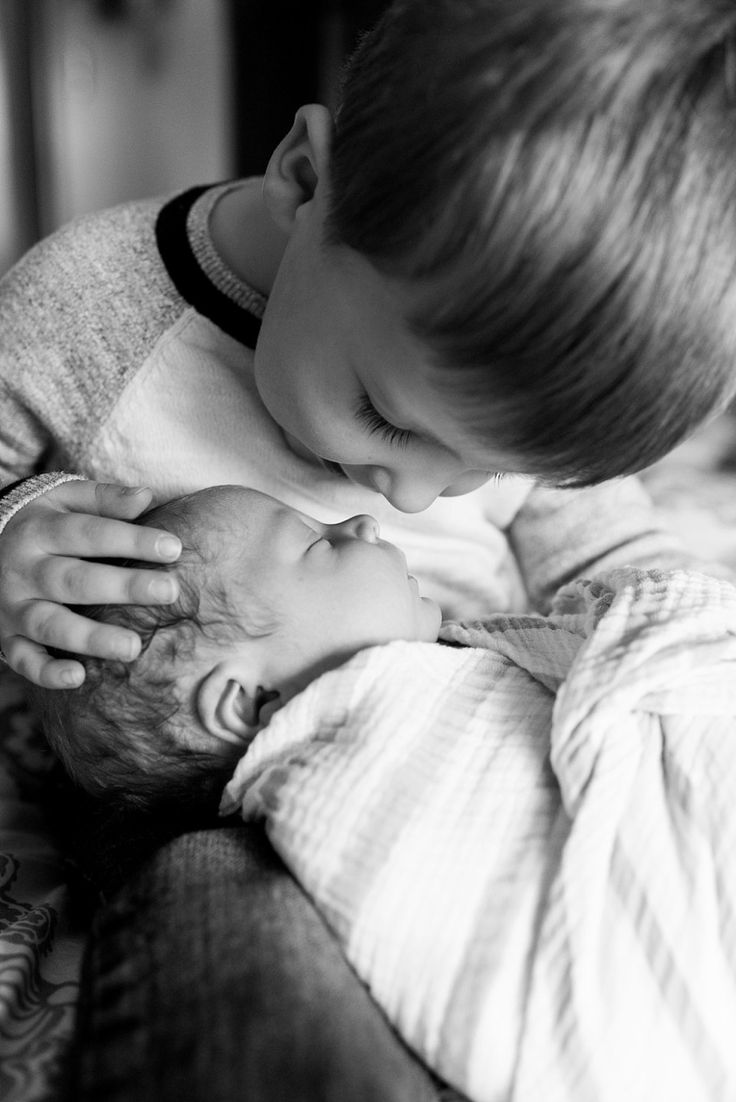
x=126, y=355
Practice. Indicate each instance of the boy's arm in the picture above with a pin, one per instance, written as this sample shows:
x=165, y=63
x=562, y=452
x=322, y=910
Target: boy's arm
x=78, y=314
x=14, y=496
x=560, y=535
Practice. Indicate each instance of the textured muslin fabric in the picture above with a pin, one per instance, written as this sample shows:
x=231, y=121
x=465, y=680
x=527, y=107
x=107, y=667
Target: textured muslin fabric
x=525, y=842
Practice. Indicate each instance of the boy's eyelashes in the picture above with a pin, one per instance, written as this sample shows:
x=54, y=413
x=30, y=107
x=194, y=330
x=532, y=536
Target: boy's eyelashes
x=367, y=414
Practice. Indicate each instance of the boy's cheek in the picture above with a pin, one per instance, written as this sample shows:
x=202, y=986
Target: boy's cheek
x=468, y=482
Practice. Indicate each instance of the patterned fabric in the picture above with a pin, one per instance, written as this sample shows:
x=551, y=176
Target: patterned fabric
x=525, y=844
x=40, y=942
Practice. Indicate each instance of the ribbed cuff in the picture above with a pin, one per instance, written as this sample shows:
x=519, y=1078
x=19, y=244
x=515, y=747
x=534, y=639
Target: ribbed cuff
x=31, y=488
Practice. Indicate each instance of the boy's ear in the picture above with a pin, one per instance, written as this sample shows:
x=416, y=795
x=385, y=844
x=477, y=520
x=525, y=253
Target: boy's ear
x=298, y=163
x=232, y=710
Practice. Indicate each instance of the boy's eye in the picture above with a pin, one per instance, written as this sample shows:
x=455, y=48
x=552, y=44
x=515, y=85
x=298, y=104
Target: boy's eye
x=367, y=414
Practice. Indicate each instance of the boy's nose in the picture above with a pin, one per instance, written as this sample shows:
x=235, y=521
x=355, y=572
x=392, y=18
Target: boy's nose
x=416, y=491
x=361, y=527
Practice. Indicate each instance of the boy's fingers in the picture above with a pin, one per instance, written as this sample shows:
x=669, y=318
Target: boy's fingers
x=100, y=537
x=32, y=662
x=122, y=501
x=45, y=624
x=79, y=582
x=105, y=499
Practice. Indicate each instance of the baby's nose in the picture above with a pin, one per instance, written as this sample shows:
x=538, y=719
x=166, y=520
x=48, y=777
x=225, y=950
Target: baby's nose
x=362, y=527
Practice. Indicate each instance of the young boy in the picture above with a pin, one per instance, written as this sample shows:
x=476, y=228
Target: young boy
x=509, y=252
x=269, y=598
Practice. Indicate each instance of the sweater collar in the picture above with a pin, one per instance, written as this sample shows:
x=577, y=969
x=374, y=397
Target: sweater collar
x=217, y=294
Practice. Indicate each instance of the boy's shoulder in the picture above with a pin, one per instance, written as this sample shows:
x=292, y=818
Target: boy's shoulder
x=99, y=274
x=98, y=242
x=81, y=312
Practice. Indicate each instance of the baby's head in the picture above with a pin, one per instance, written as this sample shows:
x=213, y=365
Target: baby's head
x=269, y=599
x=540, y=197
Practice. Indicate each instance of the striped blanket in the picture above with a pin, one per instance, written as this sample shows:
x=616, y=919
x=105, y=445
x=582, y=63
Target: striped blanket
x=526, y=841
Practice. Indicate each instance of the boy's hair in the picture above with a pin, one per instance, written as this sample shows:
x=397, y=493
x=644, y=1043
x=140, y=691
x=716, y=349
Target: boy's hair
x=130, y=732
x=560, y=177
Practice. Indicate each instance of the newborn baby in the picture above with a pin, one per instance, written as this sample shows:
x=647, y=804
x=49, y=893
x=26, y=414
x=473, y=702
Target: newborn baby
x=269, y=599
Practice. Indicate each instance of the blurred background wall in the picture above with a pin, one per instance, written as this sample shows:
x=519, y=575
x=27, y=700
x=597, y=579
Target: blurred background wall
x=107, y=100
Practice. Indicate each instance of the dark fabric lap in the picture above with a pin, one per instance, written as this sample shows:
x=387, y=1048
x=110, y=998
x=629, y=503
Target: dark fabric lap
x=210, y=976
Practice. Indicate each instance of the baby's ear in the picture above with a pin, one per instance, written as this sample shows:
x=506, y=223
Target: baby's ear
x=298, y=163
x=231, y=710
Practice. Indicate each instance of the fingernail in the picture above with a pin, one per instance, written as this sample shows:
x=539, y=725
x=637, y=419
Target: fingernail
x=130, y=491
x=72, y=678
x=168, y=548
x=129, y=648
x=162, y=589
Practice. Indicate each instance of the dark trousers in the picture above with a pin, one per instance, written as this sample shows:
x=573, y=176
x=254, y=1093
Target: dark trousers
x=210, y=977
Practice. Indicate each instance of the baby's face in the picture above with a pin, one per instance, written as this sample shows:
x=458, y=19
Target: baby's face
x=333, y=588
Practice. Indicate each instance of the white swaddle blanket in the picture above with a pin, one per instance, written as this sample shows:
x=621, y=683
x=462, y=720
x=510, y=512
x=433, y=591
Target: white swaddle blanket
x=538, y=886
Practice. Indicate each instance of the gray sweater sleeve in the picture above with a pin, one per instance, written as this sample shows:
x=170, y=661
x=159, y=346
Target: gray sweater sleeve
x=28, y=490
x=560, y=535
x=79, y=314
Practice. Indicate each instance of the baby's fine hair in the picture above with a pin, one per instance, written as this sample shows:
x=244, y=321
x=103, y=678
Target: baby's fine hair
x=560, y=178
x=128, y=733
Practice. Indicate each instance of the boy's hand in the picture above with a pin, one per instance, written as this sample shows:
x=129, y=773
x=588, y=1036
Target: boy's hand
x=42, y=549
